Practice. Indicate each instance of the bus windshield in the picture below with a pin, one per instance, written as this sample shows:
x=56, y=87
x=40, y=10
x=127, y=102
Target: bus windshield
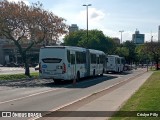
x=51, y=60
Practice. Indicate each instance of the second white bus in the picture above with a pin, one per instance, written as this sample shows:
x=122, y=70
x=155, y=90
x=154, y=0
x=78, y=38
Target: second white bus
x=114, y=63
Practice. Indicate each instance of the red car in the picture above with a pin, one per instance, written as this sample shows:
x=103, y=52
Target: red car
x=158, y=66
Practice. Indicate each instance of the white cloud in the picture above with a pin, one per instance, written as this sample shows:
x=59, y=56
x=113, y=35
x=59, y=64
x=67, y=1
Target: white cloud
x=95, y=14
x=95, y=18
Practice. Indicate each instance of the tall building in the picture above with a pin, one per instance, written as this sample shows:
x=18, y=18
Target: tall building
x=158, y=33
x=73, y=28
x=138, y=38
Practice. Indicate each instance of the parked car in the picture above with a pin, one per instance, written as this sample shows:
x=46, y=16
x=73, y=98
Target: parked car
x=127, y=67
x=158, y=66
x=1, y=65
x=37, y=67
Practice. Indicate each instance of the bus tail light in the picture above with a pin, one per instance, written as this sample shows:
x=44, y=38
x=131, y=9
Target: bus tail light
x=40, y=68
x=64, y=68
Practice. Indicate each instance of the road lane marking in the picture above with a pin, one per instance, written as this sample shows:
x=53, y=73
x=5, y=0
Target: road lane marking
x=34, y=94
x=28, y=96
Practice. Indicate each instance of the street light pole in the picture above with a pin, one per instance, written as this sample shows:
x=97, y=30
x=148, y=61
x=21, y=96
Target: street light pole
x=121, y=31
x=87, y=20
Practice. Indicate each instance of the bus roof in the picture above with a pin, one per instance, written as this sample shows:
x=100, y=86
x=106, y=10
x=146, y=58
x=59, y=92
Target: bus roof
x=63, y=47
x=74, y=48
x=112, y=56
x=96, y=51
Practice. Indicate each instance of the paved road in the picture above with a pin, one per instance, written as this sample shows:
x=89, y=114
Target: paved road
x=103, y=105
x=43, y=95
x=13, y=70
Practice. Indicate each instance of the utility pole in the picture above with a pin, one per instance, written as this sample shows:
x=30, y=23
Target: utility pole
x=121, y=31
x=87, y=20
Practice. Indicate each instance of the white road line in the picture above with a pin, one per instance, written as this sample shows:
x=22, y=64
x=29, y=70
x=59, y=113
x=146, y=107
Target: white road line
x=28, y=96
x=50, y=90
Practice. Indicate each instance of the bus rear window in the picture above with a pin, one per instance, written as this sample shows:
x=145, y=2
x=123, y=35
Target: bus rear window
x=51, y=60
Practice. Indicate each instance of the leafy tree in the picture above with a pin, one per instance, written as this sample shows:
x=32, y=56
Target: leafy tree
x=96, y=40
x=20, y=22
x=141, y=54
x=132, y=55
x=74, y=38
x=122, y=51
x=153, y=48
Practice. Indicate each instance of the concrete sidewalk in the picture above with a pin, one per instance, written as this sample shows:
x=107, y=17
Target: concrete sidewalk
x=112, y=101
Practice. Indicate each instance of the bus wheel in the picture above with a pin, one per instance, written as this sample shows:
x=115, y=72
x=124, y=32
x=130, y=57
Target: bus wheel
x=56, y=81
x=78, y=76
x=102, y=73
x=118, y=70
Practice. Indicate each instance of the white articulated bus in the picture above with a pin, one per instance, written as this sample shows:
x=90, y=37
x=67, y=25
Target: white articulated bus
x=67, y=62
x=114, y=63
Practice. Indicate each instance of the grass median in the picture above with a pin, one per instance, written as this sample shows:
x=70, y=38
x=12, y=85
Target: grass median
x=18, y=76
x=146, y=99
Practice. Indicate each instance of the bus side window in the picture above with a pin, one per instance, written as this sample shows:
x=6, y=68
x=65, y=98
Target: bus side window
x=106, y=59
x=98, y=62
x=117, y=60
x=68, y=56
x=80, y=57
x=102, y=59
x=72, y=58
x=93, y=58
x=84, y=57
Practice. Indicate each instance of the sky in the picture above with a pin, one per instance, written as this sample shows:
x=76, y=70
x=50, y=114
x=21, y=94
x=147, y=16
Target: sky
x=109, y=16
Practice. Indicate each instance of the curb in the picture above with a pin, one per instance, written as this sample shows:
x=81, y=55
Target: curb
x=16, y=80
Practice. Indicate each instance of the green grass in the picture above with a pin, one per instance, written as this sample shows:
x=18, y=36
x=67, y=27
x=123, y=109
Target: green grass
x=18, y=76
x=147, y=98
